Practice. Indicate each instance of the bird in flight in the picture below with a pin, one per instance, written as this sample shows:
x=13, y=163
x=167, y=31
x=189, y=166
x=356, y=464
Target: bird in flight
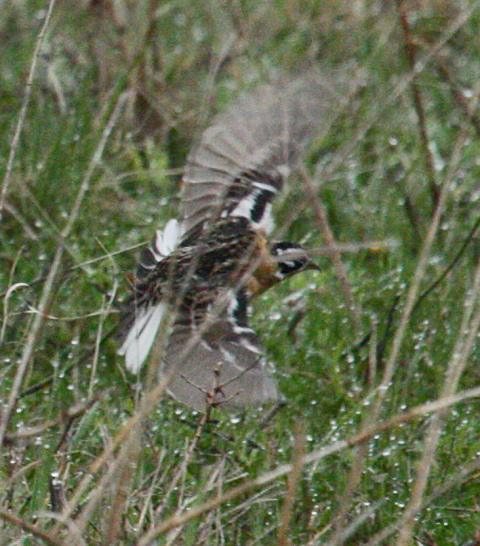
x=203, y=270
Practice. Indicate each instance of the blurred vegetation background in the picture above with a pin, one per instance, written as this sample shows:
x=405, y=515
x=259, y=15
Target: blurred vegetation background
x=406, y=146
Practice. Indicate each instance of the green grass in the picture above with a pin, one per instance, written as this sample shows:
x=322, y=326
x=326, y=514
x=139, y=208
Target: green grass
x=180, y=62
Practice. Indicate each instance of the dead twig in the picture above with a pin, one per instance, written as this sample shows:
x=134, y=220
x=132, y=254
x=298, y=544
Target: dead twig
x=411, y=54
x=185, y=461
x=465, y=342
x=86, y=356
x=450, y=266
x=29, y=232
x=64, y=417
x=25, y=103
x=419, y=411
x=457, y=480
x=456, y=91
x=48, y=288
x=39, y=533
x=125, y=469
x=292, y=484
x=329, y=238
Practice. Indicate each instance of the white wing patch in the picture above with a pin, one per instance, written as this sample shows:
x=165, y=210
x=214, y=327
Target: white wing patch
x=247, y=208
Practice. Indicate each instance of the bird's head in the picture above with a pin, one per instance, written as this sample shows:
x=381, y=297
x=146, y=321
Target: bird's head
x=292, y=258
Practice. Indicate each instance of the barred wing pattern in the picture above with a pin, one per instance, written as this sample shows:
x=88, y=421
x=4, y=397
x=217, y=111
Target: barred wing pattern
x=220, y=360
x=242, y=160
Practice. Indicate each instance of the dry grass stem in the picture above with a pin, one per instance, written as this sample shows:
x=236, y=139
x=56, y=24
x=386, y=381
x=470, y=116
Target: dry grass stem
x=412, y=298
x=439, y=491
x=466, y=338
x=294, y=478
x=29, y=528
x=411, y=54
x=347, y=531
x=47, y=295
x=419, y=411
x=360, y=454
x=125, y=466
x=182, y=469
x=23, y=110
x=147, y=508
x=456, y=366
x=412, y=295
x=457, y=92
x=29, y=232
x=72, y=413
x=327, y=233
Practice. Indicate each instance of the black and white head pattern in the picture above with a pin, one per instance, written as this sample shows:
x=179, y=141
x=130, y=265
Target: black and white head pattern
x=292, y=258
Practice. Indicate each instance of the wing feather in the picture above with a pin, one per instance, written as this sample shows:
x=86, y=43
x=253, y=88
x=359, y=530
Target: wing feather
x=247, y=153
x=223, y=360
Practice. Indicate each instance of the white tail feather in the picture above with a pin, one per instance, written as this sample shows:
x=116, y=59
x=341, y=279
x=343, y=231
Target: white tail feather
x=171, y=236
x=166, y=241
x=142, y=333
x=141, y=336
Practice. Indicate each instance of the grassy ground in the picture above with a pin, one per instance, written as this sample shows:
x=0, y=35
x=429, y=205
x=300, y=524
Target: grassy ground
x=120, y=92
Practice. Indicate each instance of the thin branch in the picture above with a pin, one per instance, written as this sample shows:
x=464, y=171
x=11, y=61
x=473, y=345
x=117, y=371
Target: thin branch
x=458, y=479
x=329, y=238
x=313, y=457
x=457, y=93
x=120, y=482
x=293, y=479
x=93, y=261
x=48, y=380
x=353, y=481
x=184, y=464
x=421, y=298
x=29, y=232
x=39, y=533
x=451, y=265
x=465, y=342
x=455, y=369
x=414, y=288
x=411, y=54
x=48, y=288
x=73, y=412
x=25, y=103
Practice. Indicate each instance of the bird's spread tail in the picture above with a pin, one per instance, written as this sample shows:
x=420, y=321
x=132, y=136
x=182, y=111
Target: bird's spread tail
x=143, y=320
x=141, y=335
x=163, y=244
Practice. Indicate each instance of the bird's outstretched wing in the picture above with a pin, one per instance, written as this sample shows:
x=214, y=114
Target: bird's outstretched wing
x=220, y=360
x=243, y=158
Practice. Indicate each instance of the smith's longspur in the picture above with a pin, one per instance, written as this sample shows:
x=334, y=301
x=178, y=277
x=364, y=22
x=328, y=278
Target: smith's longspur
x=203, y=270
